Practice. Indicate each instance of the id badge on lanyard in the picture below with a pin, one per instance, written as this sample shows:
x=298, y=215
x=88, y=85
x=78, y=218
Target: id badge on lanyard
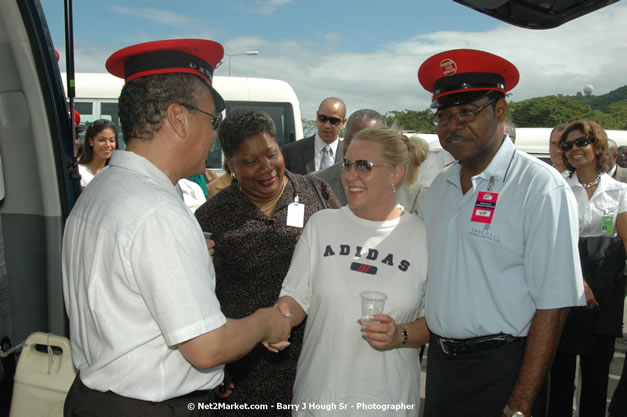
x=485, y=206
x=607, y=225
x=296, y=214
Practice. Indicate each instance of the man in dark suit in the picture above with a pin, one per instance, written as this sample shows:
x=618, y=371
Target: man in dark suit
x=322, y=149
x=357, y=121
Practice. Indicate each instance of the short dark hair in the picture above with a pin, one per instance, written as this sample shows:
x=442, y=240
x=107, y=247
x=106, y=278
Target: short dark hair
x=365, y=114
x=240, y=125
x=144, y=101
x=93, y=129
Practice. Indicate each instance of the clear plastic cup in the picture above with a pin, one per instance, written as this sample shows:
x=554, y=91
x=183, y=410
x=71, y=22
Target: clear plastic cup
x=372, y=302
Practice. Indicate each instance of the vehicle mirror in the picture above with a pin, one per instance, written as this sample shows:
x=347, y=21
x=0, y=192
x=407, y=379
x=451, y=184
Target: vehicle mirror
x=536, y=14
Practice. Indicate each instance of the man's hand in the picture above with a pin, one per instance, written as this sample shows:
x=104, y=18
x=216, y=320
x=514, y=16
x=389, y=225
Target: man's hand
x=284, y=308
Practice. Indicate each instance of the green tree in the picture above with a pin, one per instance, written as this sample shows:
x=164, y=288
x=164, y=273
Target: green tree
x=618, y=112
x=419, y=121
x=309, y=127
x=549, y=111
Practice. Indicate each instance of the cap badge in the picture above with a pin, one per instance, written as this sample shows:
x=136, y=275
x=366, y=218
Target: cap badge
x=448, y=67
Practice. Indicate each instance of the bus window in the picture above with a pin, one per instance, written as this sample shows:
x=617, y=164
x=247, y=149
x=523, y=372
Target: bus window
x=214, y=160
x=109, y=111
x=281, y=114
x=86, y=110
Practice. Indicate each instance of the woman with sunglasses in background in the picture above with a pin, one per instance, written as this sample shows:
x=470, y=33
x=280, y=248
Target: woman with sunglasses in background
x=590, y=331
x=369, y=244
x=101, y=139
x=255, y=223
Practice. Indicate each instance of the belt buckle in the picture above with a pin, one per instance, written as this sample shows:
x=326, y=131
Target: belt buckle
x=444, y=347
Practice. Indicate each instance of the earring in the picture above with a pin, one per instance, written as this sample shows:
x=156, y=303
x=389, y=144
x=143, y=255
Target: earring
x=233, y=176
x=393, y=189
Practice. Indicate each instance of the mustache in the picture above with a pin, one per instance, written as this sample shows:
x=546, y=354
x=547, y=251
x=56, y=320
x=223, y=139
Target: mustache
x=453, y=136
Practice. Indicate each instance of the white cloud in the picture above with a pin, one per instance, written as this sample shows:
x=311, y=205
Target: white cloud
x=334, y=37
x=268, y=6
x=588, y=50
x=153, y=15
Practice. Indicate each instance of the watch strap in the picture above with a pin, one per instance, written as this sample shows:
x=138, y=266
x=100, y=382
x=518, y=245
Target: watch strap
x=404, y=334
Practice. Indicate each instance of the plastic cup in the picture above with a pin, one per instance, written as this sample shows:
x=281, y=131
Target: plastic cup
x=372, y=302
x=207, y=235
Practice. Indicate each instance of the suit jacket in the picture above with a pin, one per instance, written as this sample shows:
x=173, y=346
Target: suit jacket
x=333, y=176
x=299, y=156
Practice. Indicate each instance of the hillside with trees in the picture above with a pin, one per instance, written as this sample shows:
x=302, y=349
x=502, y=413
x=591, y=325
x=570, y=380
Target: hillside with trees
x=610, y=110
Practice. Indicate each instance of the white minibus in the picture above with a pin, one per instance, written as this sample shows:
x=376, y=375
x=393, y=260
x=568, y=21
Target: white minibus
x=97, y=98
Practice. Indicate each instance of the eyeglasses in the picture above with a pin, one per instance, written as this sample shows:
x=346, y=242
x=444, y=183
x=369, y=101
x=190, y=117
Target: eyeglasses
x=463, y=116
x=323, y=118
x=361, y=165
x=580, y=142
x=215, y=120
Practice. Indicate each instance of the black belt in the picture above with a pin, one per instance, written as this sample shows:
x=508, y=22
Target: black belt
x=475, y=344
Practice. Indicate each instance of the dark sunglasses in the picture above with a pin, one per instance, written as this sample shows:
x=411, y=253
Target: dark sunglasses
x=580, y=142
x=360, y=165
x=323, y=118
x=215, y=120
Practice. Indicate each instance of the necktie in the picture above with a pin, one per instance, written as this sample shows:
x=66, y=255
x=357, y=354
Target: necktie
x=327, y=159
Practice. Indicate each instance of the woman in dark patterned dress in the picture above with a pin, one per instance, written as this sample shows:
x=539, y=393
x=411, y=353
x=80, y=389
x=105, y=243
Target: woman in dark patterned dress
x=253, y=248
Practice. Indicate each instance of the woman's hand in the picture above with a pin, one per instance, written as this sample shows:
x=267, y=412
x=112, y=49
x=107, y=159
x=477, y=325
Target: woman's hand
x=591, y=301
x=225, y=389
x=384, y=335
x=284, y=308
x=211, y=244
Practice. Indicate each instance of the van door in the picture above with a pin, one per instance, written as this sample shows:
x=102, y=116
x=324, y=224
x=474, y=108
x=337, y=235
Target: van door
x=38, y=174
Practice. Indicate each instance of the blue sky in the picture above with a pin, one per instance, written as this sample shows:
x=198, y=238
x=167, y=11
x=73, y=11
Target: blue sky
x=366, y=52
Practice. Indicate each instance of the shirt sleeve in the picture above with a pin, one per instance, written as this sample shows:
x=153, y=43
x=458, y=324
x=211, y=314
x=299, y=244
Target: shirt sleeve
x=622, y=200
x=173, y=271
x=297, y=282
x=552, y=265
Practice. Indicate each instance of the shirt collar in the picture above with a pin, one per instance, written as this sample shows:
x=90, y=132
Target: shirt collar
x=319, y=144
x=142, y=166
x=497, y=168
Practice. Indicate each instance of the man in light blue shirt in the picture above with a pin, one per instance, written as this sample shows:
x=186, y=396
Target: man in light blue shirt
x=502, y=239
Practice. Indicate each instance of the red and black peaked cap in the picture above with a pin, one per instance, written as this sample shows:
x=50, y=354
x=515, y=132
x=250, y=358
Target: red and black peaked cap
x=460, y=76
x=199, y=57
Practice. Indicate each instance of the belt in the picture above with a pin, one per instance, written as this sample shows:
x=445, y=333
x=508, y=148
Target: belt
x=476, y=344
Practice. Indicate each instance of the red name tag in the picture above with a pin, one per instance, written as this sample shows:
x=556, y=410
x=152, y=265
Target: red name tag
x=484, y=207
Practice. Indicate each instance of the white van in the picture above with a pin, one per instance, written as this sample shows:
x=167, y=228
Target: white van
x=97, y=98
x=535, y=140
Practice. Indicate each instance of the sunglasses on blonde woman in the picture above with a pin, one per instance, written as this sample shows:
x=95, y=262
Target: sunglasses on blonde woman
x=360, y=165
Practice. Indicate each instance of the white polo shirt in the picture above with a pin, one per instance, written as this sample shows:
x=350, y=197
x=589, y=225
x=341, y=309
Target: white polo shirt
x=597, y=216
x=488, y=278
x=137, y=280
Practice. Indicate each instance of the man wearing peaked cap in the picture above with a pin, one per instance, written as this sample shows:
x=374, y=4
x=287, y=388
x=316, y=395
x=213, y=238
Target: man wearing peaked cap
x=506, y=224
x=148, y=336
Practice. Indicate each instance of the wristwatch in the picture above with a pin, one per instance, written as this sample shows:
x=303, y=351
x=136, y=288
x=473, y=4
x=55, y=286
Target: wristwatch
x=511, y=413
x=404, y=334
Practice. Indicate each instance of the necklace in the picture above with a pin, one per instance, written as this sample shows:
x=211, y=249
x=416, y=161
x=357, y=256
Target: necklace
x=591, y=184
x=271, y=205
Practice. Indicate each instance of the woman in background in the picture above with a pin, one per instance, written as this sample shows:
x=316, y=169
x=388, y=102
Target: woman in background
x=255, y=225
x=101, y=139
x=590, y=332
